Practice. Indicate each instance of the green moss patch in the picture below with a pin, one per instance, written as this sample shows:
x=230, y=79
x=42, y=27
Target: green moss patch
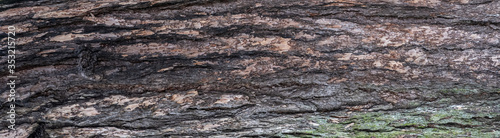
x=453, y=121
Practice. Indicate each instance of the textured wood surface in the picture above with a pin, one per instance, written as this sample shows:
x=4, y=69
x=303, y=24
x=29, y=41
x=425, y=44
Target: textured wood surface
x=258, y=68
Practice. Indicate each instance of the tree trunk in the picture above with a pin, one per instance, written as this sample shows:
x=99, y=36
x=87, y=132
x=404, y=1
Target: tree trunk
x=252, y=68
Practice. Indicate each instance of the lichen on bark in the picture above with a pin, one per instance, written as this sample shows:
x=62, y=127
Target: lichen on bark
x=254, y=68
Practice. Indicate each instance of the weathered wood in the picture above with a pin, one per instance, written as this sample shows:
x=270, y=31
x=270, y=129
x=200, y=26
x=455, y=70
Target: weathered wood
x=239, y=68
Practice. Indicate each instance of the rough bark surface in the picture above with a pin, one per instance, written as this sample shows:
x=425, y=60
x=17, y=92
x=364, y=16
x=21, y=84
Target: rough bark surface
x=254, y=68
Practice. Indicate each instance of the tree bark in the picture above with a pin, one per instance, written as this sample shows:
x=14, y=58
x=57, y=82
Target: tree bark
x=253, y=68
